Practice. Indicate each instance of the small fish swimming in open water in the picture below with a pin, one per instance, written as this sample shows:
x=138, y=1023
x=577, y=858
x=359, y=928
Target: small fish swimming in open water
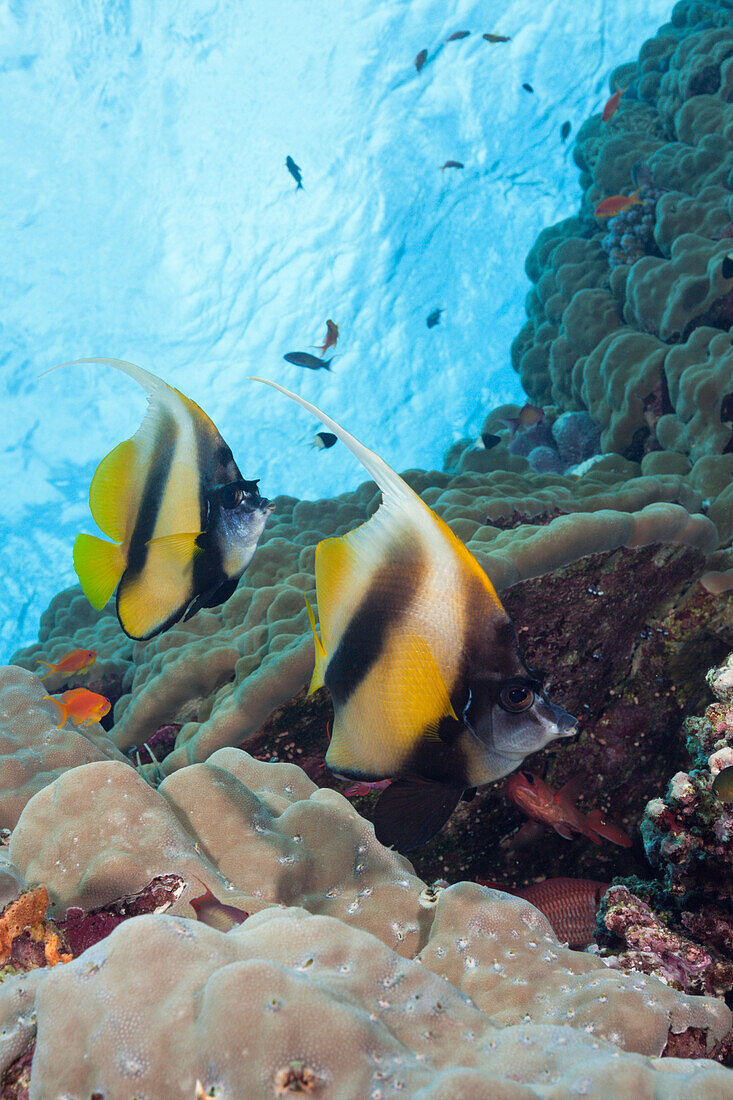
x=77, y=662
x=528, y=88
x=332, y=335
x=617, y=204
x=80, y=705
x=295, y=172
x=323, y=440
x=457, y=35
x=184, y=523
x=421, y=661
x=305, y=359
x=451, y=164
x=496, y=37
x=611, y=105
x=565, y=131
x=434, y=318
x=421, y=59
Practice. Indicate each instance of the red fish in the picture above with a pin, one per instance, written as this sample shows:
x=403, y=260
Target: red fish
x=612, y=104
x=529, y=415
x=77, y=661
x=496, y=37
x=598, y=822
x=617, y=204
x=451, y=164
x=360, y=788
x=332, y=335
x=80, y=705
x=421, y=59
x=557, y=809
x=209, y=910
x=570, y=905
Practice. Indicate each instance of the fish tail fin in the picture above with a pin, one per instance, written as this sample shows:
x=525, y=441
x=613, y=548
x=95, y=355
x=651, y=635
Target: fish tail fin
x=321, y=656
x=62, y=708
x=51, y=669
x=98, y=565
x=634, y=196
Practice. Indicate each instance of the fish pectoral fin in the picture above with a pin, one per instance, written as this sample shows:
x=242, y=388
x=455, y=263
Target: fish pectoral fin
x=417, y=691
x=411, y=811
x=113, y=489
x=321, y=656
x=564, y=830
x=98, y=565
x=180, y=548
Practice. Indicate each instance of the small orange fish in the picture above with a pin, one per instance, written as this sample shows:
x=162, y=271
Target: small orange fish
x=529, y=415
x=617, y=204
x=451, y=164
x=360, y=789
x=209, y=910
x=421, y=59
x=77, y=661
x=496, y=37
x=80, y=705
x=332, y=335
x=612, y=105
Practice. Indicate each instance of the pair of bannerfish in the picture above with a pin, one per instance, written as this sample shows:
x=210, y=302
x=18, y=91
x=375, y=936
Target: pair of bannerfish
x=418, y=654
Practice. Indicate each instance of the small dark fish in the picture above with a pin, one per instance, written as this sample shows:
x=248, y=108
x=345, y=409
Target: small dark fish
x=496, y=37
x=489, y=440
x=641, y=174
x=421, y=59
x=723, y=784
x=434, y=318
x=324, y=440
x=528, y=88
x=727, y=267
x=565, y=131
x=457, y=35
x=292, y=167
x=451, y=164
x=305, y=359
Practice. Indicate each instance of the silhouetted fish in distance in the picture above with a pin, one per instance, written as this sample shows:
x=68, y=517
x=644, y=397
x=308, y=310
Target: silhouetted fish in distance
x=305, y=359
x=421, y=59
x=295, y=172
x=528, y=88
x=433, y=318
x=565, y=131
x=421, y=661
x=457, y=35
x=496, y=37
x=451, y=164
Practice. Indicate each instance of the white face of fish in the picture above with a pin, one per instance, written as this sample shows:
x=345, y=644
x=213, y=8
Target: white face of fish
x=237, y=519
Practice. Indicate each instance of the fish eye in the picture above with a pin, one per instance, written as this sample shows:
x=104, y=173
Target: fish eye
x=515, y=698
x=529, y=777
x=231, y=496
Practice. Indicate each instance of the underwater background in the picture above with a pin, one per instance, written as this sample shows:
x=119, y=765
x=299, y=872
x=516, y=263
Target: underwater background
x=148, y=215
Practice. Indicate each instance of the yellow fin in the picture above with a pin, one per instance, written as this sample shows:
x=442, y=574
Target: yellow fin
x=160, y=593
x=321, y=655
x=99, y=566
x=112, y=490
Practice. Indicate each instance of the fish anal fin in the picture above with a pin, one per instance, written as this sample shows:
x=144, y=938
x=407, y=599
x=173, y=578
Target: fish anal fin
x=111, y=494
x=321, y=656
x=99, y=566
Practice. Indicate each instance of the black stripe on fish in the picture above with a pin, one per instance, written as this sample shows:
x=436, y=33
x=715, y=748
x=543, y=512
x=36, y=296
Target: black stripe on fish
x=152, y=495
x=391, y=590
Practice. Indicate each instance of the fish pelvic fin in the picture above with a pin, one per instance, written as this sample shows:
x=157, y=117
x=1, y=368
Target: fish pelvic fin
x=99, y=565
x=321, y=656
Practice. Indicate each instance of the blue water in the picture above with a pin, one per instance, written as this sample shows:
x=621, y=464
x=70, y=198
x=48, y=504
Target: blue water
x=147, y=214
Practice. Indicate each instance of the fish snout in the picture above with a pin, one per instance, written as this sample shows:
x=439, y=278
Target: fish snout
x=567, y=726
x=266, y=506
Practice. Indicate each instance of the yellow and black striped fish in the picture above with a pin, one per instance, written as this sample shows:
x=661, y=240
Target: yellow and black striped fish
x=183, y=520
x=421, y=661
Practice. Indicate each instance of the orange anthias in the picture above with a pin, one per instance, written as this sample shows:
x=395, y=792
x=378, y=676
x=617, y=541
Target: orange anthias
x=557, y=809
x=612, y=104
x=77, y=661
x=617, y=204
x=80, y=705
x=332, y=335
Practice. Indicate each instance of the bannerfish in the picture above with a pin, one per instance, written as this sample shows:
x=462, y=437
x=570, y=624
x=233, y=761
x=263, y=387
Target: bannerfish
x=421, y=661
x=457, y=35
x=332, y=335
x=723, y=784
x=726, y=269
x=611, y=106
x=489, y=440
x=76, y=662
x=305, y=359
x=528, y=416
x=81, y=706
x=528, y=88
x=617, y=204
x=496, y=37
x=451, y=164
x=295, y=172
x=324, y=440
x=565, y=131
x=434, y=318
x=184, y=523
x=570, y=905
x=421, y=59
